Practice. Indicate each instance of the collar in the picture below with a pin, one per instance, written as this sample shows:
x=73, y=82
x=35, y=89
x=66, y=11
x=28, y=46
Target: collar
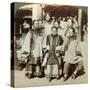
x=54, y=35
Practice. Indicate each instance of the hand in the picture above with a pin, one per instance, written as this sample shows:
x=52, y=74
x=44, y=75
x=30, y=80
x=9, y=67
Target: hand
x=57, y=54
x=43, y=65
x=62, y=48
x=58, y=48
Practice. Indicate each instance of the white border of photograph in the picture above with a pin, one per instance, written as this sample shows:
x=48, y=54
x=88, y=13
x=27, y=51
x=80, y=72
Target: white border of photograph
x=5, y=44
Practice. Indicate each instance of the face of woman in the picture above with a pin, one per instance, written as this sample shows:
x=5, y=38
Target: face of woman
x=71, y=33
x=47, y=17
x=69, y=22
x=56, y=24
x=36, y=24
x=63, y=19
x=25, y=25
x=54, y=31
x=40, y=24
x=53, y=18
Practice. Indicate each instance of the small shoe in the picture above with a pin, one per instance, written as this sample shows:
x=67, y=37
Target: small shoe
x=30, y=76
x=27, y=74
x=49, y=79
x=58, y=77
x=74, y=76
x=38, y=74
x=65, y=78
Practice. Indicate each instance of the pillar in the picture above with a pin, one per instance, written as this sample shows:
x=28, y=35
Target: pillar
x=36, y=11
x=79, y=21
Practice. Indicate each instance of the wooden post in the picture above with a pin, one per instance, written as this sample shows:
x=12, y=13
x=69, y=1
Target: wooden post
x=79, y=21
x=36, y=11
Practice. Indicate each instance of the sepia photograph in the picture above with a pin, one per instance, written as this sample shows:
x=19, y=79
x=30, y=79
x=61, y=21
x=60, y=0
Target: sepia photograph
x=49, y=44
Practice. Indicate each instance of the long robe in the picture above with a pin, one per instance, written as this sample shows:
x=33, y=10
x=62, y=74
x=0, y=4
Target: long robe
x=53, y=42
x=52, y=69
x=73, y=52
x=33, y=45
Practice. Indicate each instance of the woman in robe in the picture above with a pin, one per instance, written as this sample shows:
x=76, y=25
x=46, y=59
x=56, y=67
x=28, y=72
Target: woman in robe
x=73, y=55
x=32, y=50
x=52, y=59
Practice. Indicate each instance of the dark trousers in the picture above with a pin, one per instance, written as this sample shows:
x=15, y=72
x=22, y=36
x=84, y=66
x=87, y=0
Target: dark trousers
x=78, y=67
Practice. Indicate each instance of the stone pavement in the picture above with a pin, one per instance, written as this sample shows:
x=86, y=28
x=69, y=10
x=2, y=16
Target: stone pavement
x=22, y=81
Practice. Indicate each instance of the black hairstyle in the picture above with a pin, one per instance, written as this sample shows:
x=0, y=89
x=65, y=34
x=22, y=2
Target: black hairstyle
x=54, y=27
x=34, y=21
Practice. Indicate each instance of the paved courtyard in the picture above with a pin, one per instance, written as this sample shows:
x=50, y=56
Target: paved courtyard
x=22, y=81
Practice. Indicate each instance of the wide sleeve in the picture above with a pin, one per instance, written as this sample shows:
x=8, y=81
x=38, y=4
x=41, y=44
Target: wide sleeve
x=78, y=49
x=59, y=43
x=26, y=44
x=60, y=40
x=47, y=42
x=44, y=39
x=65, y=44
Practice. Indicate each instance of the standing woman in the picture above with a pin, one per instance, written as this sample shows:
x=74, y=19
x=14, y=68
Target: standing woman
x=47, y=24
x=63, y=27
x=52, y=58
x=32, y=51
x=25, y=27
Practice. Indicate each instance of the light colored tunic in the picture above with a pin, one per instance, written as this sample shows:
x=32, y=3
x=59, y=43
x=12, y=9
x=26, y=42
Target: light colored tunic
x=33, y=45
x=72, y=52
x=63, y=28
x=47, y=28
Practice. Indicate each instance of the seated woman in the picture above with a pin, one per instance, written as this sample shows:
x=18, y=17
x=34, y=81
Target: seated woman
x=73, y=54
x=52, y=58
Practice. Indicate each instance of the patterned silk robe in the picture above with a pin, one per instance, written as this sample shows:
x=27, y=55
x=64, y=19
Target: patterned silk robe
x=53, y=41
